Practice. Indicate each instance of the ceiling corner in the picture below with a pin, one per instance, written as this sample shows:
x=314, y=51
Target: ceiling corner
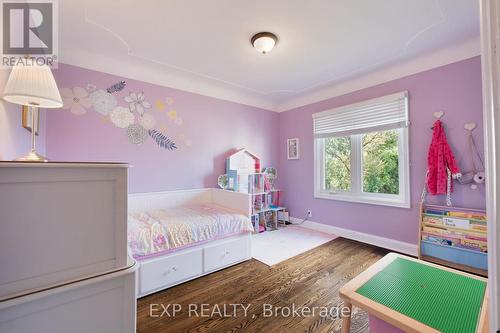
x=461, y=51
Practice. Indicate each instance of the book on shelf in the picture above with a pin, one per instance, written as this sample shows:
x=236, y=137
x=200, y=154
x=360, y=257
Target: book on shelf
x=454, y=237
x=453, y=227
x=456, y=222
x=462, y=223
x=442, y=231
x=455, y=213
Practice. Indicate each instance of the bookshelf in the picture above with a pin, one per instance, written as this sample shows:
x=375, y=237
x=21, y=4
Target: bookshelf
x=454, y=237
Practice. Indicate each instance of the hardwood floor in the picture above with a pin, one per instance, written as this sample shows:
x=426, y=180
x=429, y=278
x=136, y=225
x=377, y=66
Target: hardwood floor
x=309, y=280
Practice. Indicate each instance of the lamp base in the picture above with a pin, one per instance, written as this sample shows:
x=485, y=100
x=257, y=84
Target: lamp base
x=32, y=156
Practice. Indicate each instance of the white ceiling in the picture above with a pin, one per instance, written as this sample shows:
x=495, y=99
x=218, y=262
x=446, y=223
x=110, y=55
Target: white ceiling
x=204, y=46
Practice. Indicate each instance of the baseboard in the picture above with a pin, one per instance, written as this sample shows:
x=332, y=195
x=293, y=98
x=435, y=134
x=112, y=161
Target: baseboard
x=386, y=243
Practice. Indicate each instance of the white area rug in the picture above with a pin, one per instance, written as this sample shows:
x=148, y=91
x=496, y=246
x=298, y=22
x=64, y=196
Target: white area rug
x=272, y=247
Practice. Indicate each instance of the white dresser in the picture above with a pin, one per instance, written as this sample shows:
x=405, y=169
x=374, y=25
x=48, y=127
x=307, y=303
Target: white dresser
x=103, y=304
x=63, y=240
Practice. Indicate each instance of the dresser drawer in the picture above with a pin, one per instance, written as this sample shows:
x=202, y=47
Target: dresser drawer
x=226, y=253
x=60, y=222
x=163, y=272
x=101, y=304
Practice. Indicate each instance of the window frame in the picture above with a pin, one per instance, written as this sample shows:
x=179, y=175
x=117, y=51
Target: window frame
x=356, y=194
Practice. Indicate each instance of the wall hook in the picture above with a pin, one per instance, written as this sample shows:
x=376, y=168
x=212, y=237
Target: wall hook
x=438, y=114
x=470, y=126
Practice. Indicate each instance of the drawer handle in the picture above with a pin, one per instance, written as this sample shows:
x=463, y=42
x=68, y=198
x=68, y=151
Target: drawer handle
x=227, y=252
x=173, y=269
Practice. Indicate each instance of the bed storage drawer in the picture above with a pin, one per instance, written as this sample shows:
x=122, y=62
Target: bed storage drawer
x=163, y=272
x=226, y=253
x=60, y=222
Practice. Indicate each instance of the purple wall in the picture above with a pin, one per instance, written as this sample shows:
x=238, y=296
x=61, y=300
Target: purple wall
x=455, y=89
x=210, y=129
x=15, y=141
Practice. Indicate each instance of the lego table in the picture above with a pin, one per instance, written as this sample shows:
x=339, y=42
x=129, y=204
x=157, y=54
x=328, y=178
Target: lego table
x=417, y=296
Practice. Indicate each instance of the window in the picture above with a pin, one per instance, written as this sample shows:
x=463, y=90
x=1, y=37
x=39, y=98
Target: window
x=338, y=163
x=380, y=162
x=361, y=152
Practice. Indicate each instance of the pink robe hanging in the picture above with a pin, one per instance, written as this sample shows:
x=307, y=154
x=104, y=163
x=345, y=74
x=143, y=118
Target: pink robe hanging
x=441, y=163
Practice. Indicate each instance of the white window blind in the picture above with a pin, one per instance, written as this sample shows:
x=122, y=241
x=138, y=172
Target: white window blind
x=378, y=114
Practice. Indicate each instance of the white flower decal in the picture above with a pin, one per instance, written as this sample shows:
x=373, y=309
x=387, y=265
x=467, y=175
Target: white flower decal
x=76, y=100
x=103, y=102
x=137, y=102
x=91, y=87
x=139, y=125
x=136, y=134
x=147, y=121
x=178, y=121
x=122, y=117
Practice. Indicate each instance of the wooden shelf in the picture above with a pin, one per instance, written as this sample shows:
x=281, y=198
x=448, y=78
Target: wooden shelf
x=258, y=211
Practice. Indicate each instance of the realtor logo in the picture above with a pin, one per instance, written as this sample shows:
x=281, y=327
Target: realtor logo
x=29, y=32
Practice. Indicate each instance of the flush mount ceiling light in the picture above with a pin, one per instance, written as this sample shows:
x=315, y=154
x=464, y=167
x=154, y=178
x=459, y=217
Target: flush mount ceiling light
x=264, y=42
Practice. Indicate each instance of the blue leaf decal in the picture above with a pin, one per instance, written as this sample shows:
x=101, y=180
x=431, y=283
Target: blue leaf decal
x=116, y=87
x=162, y=140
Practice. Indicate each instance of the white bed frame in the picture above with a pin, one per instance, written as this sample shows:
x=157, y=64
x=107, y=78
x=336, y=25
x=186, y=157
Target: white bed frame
x=165, y=271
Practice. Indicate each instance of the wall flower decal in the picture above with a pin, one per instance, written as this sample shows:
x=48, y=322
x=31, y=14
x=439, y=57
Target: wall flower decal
x=103, y=101
x=136, y=134
x=137, y=102
x=178, y=121
x=76, y=100
x=147, y=121
x=160, y=105
x=172, y=114
x=133, y=117
x=122, y=117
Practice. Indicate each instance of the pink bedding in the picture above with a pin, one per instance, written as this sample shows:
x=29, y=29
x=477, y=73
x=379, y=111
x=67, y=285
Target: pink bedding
x=160, y=231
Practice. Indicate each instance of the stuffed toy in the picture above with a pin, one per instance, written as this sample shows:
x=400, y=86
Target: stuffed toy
x=476, y=176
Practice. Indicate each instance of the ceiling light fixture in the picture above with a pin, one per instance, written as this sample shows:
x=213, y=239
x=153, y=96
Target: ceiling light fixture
x=264, y=42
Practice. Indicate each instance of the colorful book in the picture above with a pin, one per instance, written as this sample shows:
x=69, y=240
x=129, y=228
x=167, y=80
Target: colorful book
x=456, y=223
x=432, y=220
x=467, y=215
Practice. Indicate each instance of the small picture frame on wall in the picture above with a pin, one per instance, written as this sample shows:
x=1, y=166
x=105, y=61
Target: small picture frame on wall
x=26, y=119
x=293, y=149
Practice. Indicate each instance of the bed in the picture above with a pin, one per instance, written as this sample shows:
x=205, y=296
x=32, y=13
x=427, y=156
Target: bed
x=181, y=235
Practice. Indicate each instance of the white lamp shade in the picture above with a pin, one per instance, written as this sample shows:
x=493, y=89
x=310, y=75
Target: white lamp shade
x=32, y=85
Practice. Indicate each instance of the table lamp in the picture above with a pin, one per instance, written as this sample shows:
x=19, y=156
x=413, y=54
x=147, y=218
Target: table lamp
x=34, y=86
